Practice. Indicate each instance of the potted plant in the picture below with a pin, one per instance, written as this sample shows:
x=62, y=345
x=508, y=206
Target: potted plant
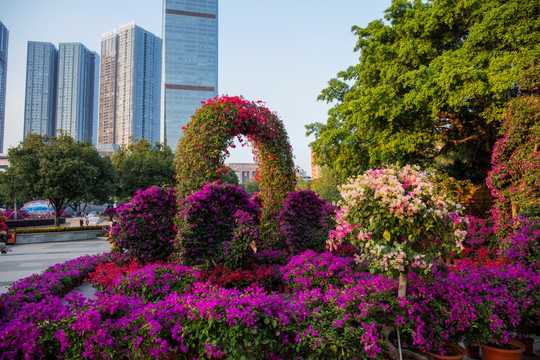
x=479, y=332
x=449, y=351
x=498, y=350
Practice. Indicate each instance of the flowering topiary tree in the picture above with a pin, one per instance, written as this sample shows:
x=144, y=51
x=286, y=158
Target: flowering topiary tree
x=216, y=226
x=399, y=223
x=202, y=150
x=145, y=228
x=305, y=220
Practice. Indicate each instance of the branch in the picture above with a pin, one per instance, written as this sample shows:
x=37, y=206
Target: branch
x=467, y=139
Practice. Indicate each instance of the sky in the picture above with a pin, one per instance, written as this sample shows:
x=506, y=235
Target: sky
x=281, y=52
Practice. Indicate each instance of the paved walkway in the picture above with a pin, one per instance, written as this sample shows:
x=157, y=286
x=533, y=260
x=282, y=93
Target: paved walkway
x=28, y=259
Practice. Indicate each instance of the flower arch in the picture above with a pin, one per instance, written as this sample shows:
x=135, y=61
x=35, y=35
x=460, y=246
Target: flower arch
x=202, y=150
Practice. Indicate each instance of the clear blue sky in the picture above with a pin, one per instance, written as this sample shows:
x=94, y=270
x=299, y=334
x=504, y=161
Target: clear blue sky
x=282, y=52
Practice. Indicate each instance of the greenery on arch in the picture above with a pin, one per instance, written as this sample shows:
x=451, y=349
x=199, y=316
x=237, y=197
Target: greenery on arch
x=202, y=150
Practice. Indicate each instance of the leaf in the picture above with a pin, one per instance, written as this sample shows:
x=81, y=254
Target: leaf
x=386, y=235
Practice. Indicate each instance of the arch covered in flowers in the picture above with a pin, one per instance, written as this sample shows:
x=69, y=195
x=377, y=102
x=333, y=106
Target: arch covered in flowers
x=202, y=150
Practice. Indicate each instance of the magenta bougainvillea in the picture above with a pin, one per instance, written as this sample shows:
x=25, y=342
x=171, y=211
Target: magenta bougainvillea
x=215, y=226
x=203, y=148
x=335, y=311
x=145, y=227
x=305, y=220
x=513, y=180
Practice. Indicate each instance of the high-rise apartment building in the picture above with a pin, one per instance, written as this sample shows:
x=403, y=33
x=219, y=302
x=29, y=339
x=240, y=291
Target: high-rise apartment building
x=75, y=105
x=4, y=36
x=190, y=62
x=130, y=87
x=40, y=98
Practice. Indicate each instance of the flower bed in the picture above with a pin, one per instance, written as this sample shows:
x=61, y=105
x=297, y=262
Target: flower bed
x=55, y=229
x=163, y=311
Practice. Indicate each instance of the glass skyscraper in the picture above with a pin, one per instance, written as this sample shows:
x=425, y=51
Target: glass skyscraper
x=190, y=62
x=130, y=87
x=4, y=36
x=40, y=97
x=76, y=90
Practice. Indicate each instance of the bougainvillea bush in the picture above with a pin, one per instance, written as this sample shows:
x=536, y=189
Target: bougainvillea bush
x=305, y=221
x=54, y=281
x=258, y=277
x=158, y=318
x=4, y=236
x=145, y=229
x=207, y=226
x=21, y=214
x=522, y=245
x=154, y=282
x=310, y=270
x=513, y=180
x=393, y=215
x=476, y=306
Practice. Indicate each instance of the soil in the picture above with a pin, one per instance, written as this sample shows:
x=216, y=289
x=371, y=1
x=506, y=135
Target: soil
x=504, y=346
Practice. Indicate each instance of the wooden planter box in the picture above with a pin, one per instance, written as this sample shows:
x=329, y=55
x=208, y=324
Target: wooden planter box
x=44, y=237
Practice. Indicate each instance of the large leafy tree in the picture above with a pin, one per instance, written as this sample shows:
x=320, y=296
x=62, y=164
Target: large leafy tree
x=61, y=170
x=431, y=85
x=327, y=185
x=141, y=165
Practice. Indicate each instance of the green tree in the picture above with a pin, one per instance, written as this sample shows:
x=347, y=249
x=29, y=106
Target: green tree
x=10, y=191
x=141, y=165
x=326, y=186
x=431, y=85
x=60, y=170
x=230, y=177
x=302, y=184
x=251, y=187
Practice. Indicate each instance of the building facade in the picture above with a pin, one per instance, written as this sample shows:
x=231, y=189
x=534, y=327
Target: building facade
x=190, y=62
x=244, y=171
x=4, y=37
x=40, y=92
x=130, y=87
x=315, y=169
x=75, y=104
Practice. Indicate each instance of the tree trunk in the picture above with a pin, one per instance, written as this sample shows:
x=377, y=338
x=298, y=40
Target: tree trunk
x=402, y=289
x=15, y=209
x=56, y=219
x=57, y=208
x=402, y=293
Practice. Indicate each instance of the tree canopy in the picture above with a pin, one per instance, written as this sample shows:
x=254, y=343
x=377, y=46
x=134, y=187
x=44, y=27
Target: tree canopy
x=327, y=185
x=140, y=165
x=431, y=85
x=59, y=169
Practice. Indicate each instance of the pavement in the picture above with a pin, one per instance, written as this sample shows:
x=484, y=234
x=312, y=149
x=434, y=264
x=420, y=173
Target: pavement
x=28, y=259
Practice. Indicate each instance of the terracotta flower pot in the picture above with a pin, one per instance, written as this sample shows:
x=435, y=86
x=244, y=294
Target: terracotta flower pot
x=456, y=353
x=528, y=342
x=473, y=352
x=490, y=352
